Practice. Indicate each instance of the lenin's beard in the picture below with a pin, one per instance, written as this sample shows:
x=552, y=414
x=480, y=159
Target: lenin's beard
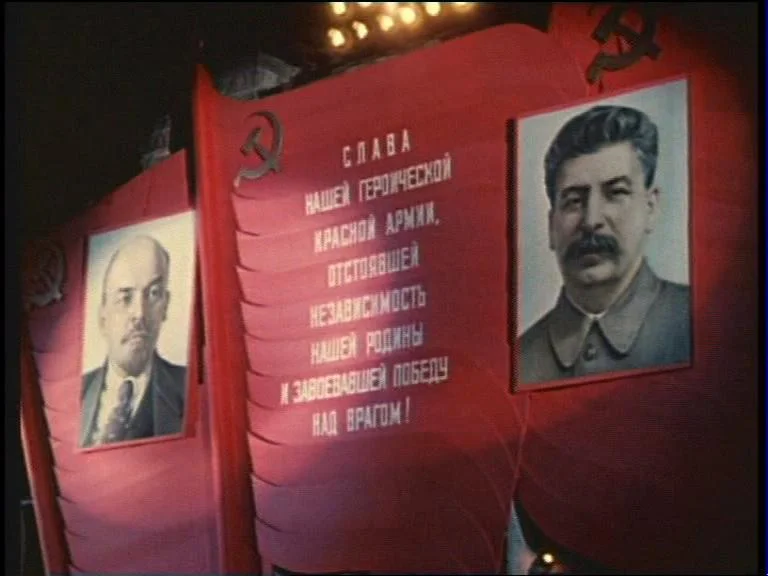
x=136, y=349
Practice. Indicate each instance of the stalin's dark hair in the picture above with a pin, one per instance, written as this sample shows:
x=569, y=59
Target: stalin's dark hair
x=598, y=127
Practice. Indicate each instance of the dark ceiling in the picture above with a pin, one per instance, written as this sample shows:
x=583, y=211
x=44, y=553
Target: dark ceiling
x=89, y=80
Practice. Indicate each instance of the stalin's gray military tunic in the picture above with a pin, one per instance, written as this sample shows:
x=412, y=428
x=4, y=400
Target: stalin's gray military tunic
x=649, y=326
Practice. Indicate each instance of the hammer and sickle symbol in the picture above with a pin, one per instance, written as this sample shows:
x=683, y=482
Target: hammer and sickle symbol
x=642, y=42
x=271, y=157
x=44, y=274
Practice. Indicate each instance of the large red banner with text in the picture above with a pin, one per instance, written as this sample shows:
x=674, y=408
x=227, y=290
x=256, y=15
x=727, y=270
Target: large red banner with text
x=352, y=363
x=356, y=285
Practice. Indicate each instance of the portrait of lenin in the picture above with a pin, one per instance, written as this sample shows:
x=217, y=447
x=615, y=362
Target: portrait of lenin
x=134, y=391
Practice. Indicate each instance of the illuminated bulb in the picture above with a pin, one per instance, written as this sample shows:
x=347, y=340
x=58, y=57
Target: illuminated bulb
x=546, y=557
x=407, y=15
x=432, y=8
x=360, y=29
x=339, y=8
x=386, y=22
x=364, y=4
x=336, y=37
x=462, y=5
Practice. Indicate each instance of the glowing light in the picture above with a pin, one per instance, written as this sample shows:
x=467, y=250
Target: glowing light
x=462, y=5
x=386, y=22
x=547, y=557
x=408, y=15
x=336, y=37
x=390, y=6
x=361, y=30
x=364, y=4
x=339, y=8
x=432, y=8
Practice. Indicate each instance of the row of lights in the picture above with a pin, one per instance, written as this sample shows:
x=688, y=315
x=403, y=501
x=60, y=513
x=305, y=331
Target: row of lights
x=390, y=15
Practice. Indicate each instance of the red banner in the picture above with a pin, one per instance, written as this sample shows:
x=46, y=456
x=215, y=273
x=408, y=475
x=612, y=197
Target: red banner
x=363, y=238
x=108, y=496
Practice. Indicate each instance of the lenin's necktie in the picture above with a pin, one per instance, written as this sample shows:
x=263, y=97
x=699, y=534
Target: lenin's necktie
x=117, y=425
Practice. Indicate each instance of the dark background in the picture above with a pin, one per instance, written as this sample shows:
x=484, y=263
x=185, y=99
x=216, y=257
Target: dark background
x=91, y=79
x=86, y=82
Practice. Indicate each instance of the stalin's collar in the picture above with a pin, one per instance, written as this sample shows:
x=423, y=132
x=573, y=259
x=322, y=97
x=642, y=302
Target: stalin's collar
x=620, y=325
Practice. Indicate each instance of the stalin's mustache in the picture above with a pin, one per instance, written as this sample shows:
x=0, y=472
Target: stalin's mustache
x=592, y=244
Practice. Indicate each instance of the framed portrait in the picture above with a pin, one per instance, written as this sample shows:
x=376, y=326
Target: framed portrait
x=600, y=233
x=137, y=330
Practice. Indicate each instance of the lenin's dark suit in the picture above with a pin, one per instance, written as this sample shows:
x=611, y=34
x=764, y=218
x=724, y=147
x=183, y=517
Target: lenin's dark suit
x=648, y=327
x=161, y=411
